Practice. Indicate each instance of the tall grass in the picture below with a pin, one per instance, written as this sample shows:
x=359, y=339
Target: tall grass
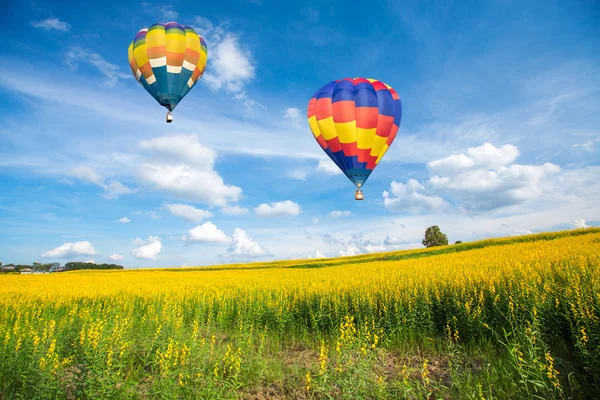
x=505, y=318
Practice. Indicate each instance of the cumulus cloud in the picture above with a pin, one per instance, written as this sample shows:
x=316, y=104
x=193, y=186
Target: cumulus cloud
x=580, y=223
x=234, y=210
x=67, y=250
x=187, y=212
x=148, y=249
x=52, y=24
x=245, y=247
x=87, y=175
x=316, y=254
x=183, y=167
x=207, y=233
x=484, y=178
x=123, y=220
x=410, y=197
x=339, y=214
x=329, y=167
x=280, y=208
x=114, y=189
x=111, y=72
x=116, y=257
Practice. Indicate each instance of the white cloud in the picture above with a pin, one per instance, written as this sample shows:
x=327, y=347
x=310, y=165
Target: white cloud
x=123, y=220
x=67, y=250
x=183, y=148
x=329, y=167
x=294, y=115
x=580, y=223
x=280, y=208
x=234, y=210
x=169, y=13
x=483, y=180
x=587, y=145
x=111, y=72
x=299, y=174
x=316, y=254
x=392, y=240
x=208, y=233
x=339, y=214
x=183, y=167
x=315, y=221
x=480, y=180
x=409, y=197
x=521, y=232
x=187, y=212
x=244, y=246
x=52, y=23
x=486, y=156
x=90, y=261
x=190, y=183
x=116, y=257
x=87, y=175
x=112, y=189
x=148, y=249
x=350, y=250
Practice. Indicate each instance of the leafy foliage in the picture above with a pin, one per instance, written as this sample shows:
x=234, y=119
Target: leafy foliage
x=434, y=237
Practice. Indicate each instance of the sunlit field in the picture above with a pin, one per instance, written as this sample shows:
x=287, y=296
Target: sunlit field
x=508, y=318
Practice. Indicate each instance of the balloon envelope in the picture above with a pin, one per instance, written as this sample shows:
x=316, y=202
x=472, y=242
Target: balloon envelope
x=167, y=59
x=355, y=121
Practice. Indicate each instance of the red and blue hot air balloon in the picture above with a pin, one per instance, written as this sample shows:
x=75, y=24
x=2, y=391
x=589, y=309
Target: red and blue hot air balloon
x=355, y=121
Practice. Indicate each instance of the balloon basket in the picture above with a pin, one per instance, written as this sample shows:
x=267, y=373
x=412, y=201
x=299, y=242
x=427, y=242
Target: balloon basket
x=359, y=195
x=169, y=117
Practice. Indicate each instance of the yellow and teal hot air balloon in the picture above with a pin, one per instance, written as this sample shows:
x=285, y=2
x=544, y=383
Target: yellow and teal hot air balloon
x=168, y=59
x=355, y=121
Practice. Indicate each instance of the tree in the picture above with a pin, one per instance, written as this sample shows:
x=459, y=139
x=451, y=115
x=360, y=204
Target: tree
x=434, y=237
x=458, y=242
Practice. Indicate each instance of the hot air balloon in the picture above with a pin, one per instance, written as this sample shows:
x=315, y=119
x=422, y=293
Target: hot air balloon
x=167, y=60
x=355, y=121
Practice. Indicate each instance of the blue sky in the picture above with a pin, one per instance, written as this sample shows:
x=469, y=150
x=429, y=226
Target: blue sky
x=500, y=132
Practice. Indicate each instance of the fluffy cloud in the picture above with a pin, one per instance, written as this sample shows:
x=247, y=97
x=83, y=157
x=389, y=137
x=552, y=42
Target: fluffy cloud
x=293, y=114
x=391, y=240
x=148, y=249
x=485, y=178
x=280, y=208
x=316, y=254
x=580, y=223
x=52, y=24
x=234, y=210
x=123, y=220
x=194, y=179
x=111, y=72
x=208, y=233
x=410, y=197
x=245, y=247
x=339, y=214
x=67, y=250
x=116, y=257
x=231, y=67
x=329, y=167
x=184, y=148
x=187, y=212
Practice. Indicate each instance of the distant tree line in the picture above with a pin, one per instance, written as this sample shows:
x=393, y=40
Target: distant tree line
x=56, y=267
x=73, y=266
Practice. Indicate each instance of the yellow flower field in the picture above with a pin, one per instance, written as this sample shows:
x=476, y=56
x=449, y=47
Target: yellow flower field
x=227, y=332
